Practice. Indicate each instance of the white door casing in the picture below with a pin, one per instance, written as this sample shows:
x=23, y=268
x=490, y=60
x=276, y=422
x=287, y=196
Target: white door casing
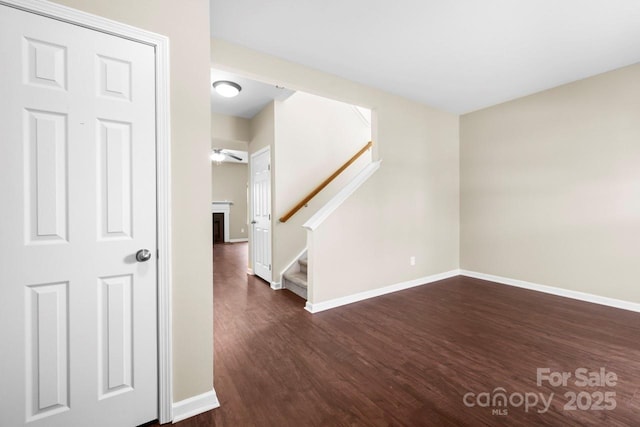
x=260, y=167
x=79, y=195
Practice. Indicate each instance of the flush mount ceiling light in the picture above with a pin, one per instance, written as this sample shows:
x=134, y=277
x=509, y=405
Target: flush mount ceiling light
x=226, y=88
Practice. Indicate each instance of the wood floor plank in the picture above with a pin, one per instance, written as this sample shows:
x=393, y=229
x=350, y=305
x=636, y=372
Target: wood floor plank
x=409, y=358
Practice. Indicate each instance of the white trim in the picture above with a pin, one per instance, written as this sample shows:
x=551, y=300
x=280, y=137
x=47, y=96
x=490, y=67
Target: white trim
x=581, y=296
x=276, y=285
x=163, y=169
x=567, y=293
x=358, y=110
x=195, y=405
x=342, y=195
x=260, y=151
x=165, y=256
x=244, y=239
x=250, y=271
x=87, y=20
x=349, y=299
x=225, y=209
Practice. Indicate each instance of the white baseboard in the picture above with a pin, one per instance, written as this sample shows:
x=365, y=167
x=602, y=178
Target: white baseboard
x=238, y=240
x=276, y=285
x=195, y=405
x=250, y=271
x=582, y=296
x=337, y=302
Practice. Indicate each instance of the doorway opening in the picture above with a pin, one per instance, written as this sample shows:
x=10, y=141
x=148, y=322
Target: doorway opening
x=296, y=140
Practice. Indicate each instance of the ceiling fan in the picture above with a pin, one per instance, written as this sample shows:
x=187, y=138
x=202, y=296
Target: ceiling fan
x=219, y=155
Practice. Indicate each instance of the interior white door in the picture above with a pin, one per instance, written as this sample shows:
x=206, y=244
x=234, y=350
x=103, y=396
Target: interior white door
x=78, y=191
x=261, y=213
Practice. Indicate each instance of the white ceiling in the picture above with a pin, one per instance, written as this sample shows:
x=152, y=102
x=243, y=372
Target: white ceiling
x=455, y=55
x=253, y=97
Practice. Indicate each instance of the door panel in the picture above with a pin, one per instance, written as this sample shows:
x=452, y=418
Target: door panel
x=114, y=176
x=78, y=188
x=46, y=176
x=47, y=349
x=115, y=352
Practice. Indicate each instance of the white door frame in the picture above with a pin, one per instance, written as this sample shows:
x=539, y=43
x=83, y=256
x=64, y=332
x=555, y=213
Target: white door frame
x=163, y=170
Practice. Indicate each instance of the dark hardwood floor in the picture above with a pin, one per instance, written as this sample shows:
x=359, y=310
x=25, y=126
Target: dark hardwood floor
x=410, y=358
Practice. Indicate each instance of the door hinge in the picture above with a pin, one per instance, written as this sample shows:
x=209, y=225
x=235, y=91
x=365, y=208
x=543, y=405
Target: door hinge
x=269, y=166
x=269, y=217
x=269, y=267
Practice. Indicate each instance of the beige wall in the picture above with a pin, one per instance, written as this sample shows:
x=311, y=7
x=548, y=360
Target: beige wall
x=410, y=206
x=232, y=133
x=551, y=187
x=262, y=128
x=190, y=133
x=229, y=182
x=314, y=136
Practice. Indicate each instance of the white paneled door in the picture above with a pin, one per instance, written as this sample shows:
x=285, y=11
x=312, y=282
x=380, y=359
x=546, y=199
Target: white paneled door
x=78, y=201
x=261, y=213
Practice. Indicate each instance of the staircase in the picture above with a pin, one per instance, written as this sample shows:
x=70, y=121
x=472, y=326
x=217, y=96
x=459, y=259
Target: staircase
x=295, y=276
x=296, y=279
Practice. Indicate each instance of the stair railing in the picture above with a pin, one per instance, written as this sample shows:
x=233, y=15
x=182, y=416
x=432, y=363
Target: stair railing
x=324, y=183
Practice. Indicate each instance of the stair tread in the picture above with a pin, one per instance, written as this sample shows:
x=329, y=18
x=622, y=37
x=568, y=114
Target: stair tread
x=302, y=262
x=298, y=278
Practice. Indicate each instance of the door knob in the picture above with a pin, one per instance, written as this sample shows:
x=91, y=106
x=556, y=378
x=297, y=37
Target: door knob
x=254, y=221
x=143, y=255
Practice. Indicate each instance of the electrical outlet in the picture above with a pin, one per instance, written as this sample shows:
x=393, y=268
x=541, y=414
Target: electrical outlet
x=412, y=260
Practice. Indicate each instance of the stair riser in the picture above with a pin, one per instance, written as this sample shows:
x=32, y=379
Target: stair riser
x=298, y=290
x=298, y=278
x=303, y=265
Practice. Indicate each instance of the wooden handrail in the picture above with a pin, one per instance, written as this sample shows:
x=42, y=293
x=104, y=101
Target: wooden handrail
x=324, y=183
